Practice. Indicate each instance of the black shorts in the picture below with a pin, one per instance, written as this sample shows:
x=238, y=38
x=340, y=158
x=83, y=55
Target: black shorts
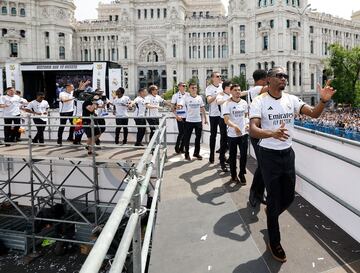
x=88, y=130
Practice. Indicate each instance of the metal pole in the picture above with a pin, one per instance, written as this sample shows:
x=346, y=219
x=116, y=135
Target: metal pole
x=95, y=172
x=30, y=164
x=136, y=245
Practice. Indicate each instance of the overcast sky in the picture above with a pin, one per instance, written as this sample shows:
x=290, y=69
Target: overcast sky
x=86, y=9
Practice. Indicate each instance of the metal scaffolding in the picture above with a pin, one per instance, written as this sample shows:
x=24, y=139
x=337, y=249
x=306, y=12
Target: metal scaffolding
x=36, y=177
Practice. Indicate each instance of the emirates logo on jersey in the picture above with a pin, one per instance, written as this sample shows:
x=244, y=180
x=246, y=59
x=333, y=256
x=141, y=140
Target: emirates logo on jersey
x=270, y=108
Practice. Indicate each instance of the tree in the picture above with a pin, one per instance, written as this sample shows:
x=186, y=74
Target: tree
x=241, y=80
x=345, y=67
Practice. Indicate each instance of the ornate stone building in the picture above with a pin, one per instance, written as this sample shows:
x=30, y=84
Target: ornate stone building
x=167, y=41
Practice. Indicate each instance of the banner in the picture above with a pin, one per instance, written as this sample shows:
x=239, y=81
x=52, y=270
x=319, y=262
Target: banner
x=1, y=82
x=99, y=76
x=115, y=80
x=56, y=67
x=13, y=77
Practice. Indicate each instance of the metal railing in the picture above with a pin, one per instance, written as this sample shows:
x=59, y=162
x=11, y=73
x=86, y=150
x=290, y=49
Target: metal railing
x=133, y=195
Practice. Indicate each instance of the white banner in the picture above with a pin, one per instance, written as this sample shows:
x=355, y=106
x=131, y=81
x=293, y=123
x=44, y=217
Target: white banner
x=13, y=78
x=99, y=74
x=1, y=82
x=54, y=67
x=115, y=80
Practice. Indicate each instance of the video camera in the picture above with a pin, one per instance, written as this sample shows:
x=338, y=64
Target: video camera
x=87, y=95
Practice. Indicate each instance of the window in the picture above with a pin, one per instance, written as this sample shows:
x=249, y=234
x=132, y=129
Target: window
x=224, y=51
x=243, y=69
x=326, y=48
x=116, y=17
x=139, y=13
x=266, y=66
x=3, y=32
x=174, y=50
x=242, y=28
x=224, y=73
x=242, y=46
x=259, y=65
x=13, y=50
x=312, y=77
x=200, y=14
x=110, y=17
x=145, y=13
x=189, y=52
x=287, y=23
x=22, y=12
x=300, y=73
x=125, y=52
x=294, y=72
x=22, y=33
x=4, y=10
x=13, y=11
x=99, y=54
x=299, y=24
x=86, y=55
x=62, y=53
x=312, y=47
x=209, y=52
x=207, y=14
x=265, y=42
x=272, y=23
x=152, y=57
x=113, y=52
x=152, y=13
x=294, y=42
x=165, y=13
x=158, y=13
x=47, y=50
x=61, y=34
x=194, y=52
x=47, y=34
x=259, y=24
x=272, y=64
x=311, y=29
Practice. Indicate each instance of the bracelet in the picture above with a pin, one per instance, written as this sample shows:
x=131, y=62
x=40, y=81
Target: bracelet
x=323, y=101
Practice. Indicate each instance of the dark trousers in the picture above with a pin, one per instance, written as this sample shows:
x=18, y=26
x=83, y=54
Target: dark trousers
x=62, y=123
x=140, y=131
x=40, y=126
x=214, y=123
x=121, y=121
x=152, y=121
x=278, y=171
x=11, y=132
x=180, y=138
x=189, y=126
x=258, y=183
x=234, y=143
x=102, y=124
x=223, y=141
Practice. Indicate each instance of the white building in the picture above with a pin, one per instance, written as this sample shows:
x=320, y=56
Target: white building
x=166, y=41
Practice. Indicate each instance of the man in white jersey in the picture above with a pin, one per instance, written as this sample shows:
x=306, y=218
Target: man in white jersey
x=220, y=100
x=122, y=104
x=180, y=115
x=211, y=93
x=235, y=112
x=11, y=110
x=139, y=115
x=257, y=187
x=194, y=105
x=152, y=103
x=39, y=107
x=272, y=121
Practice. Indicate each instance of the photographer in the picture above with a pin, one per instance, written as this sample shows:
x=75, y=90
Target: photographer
x=89, y=108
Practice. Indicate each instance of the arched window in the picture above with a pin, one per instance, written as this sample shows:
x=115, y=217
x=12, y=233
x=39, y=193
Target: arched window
x=62, y=53
x=86, y=53
x=174, y=50
x=4, y=10
x=22, y=12
x=13, y=11
x=61, y=34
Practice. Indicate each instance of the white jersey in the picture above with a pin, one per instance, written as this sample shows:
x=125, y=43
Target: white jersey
x=213, y=91
x=193, y=107
x=140, y=108
x=236, y=112
x=272, y=113
x=102, y=111
x=68, y=106
x=39, y=107
x=222, y=97
x=153, y=101
x=253, y=92
x=176, y=99
x=121, y=106
x=12, y=105
x=78, y=107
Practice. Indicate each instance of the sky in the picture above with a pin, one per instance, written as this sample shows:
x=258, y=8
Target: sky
x=86, y=9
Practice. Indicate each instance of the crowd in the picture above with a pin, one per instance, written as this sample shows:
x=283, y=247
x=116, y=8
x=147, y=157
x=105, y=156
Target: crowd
x=340, y=121
x=267, y=115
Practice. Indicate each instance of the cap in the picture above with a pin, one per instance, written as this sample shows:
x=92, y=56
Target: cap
x=181, y=83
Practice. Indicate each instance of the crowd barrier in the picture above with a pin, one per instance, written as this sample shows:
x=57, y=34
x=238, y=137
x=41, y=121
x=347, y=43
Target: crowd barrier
x=331, y=130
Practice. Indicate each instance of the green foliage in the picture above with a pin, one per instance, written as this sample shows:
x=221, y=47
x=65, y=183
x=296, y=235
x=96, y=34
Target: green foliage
x=241, y=80
x=344, y=65
x=169, y=93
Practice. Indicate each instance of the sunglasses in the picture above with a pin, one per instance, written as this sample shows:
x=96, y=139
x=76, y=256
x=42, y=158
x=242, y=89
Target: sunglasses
x=193, y=87
x=282, y=75
x=218, y=76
